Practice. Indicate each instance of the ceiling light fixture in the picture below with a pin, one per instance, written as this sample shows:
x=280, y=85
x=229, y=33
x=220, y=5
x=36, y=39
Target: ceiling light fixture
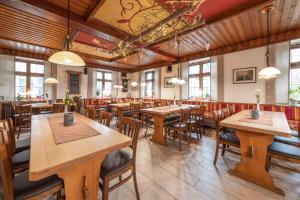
x=134, y=83
x=269, y=71
x=66, y=57
x=51, y=80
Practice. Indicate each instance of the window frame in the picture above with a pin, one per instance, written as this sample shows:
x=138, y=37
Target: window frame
x=103, y=80
x=28, y=74
x=200, y=75
x=148, y=81
x=292, y=65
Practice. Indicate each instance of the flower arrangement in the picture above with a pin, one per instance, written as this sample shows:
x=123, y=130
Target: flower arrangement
x=68, y=99
x=257, y=96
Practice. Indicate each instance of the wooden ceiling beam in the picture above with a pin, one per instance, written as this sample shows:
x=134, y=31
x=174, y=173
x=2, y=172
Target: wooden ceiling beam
x=163, y=53
x=276, y=38
x=94, y=7
x=44, y=9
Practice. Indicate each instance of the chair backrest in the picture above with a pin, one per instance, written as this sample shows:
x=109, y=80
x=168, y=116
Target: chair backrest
x=9, y=127
x=226, y=112
x=25, y=112
x=96, y=103
x=147, y=105
x=104, y=118
x=90, y=112
x=231, y=109
x=135, y=106
x=59, y=100
x=131, y=128
x=218, y=116
x=58, y=108
x=6, y=171
x=184, y=115
x=198, y=112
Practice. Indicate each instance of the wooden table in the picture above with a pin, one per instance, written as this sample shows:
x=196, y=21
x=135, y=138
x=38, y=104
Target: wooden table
x=158, y=114
x=37, y=107
x=254, y=141
x=72, y=161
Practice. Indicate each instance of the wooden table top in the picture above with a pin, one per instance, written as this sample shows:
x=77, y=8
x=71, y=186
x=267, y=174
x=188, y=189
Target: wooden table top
x=280, y=124
x=165, y=110
x=47, y=158
x=43, y=105
x=121, y=105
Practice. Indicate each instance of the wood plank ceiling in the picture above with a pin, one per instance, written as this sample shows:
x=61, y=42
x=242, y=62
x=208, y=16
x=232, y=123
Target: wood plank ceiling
x=36, y=28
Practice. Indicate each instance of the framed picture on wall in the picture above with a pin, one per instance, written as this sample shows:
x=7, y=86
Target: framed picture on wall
x=244, y=75
x=74, y=79
x=168, y=83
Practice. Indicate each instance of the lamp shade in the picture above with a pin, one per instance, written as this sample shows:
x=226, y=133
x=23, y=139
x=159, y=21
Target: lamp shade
x=51, y=81
x=181, y=82
x=174, y=80
x=66, y=58
x=268, y=72
x=134, y=84
x=143, y=84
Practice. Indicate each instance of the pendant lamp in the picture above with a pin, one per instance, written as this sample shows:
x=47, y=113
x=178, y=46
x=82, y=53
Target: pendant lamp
x=51, y=80
x=67, y=57
x=269, y=71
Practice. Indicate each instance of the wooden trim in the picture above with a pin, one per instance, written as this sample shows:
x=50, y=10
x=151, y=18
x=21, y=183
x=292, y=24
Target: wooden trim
x=79, y=74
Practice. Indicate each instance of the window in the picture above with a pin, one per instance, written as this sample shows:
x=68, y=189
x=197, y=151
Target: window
x=29, y=79
x=199, y=79
x=104, y=84
x=150, y=83
x=295, y=72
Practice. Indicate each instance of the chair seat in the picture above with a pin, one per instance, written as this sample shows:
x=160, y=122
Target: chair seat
x=230, y=137
x=291, y=141
x=193, y=121
x=284, y=150
x=22, y=145
x=20, y=159
x=171, y=119
x=116, y=161
x=209, y=123
x=294, y=133
x=24, y=189
x=177, y=125
x=231, y=130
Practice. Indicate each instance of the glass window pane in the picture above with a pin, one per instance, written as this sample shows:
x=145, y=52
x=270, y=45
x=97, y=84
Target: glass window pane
x=36, y=68
x=99, y=75
x=206, y=68
x=149, y=75
x=36, y=86
x=295, y=55
x=21, y=85
x=195, y=69
x=107, y=85
x=107, y=76
x=295, y=76
x=21, y=67
x=206, y=82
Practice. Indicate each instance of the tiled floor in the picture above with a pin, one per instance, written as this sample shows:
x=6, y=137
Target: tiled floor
x=166, y=173
x=163, y=173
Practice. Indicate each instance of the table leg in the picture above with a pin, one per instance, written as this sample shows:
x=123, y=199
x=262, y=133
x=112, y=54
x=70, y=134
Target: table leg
x=120, y=111
x=81, y=181
x=253, y=159
x=158, y=136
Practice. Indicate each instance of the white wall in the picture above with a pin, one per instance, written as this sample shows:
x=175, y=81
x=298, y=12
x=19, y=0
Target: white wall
x=169, y=93
x=244, y=93
x=62, y=78
x=7, y=78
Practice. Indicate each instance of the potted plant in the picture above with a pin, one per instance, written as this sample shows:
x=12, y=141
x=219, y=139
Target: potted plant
x=97, y=93
x=256, y=112
x=294, y=93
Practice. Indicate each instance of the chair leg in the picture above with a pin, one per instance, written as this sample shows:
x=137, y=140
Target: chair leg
x=19, y=131
x=203, y=130
x=268, y=162
x=216, y=153
x=135, y=184
x=223, y=149
x=105, y=189
x=179, y=137
x=58, y=195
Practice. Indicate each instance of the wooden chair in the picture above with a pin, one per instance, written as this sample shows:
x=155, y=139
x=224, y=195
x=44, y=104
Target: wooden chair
x=283, y=152
x=180, y=128
x=96, y=104
x=195, y=121
x=121, y=161
x=104, y=118
x=23, y=117
x=146, y=118
x=20, y=160
x=134, y=111
x=59, y=100
x=20, y=187
x=58, y=108
x=223, y=137
x=90, y=112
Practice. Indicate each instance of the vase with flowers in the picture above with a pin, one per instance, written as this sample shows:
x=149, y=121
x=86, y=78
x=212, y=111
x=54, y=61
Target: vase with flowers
x=68, y=116
x=256, y=112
